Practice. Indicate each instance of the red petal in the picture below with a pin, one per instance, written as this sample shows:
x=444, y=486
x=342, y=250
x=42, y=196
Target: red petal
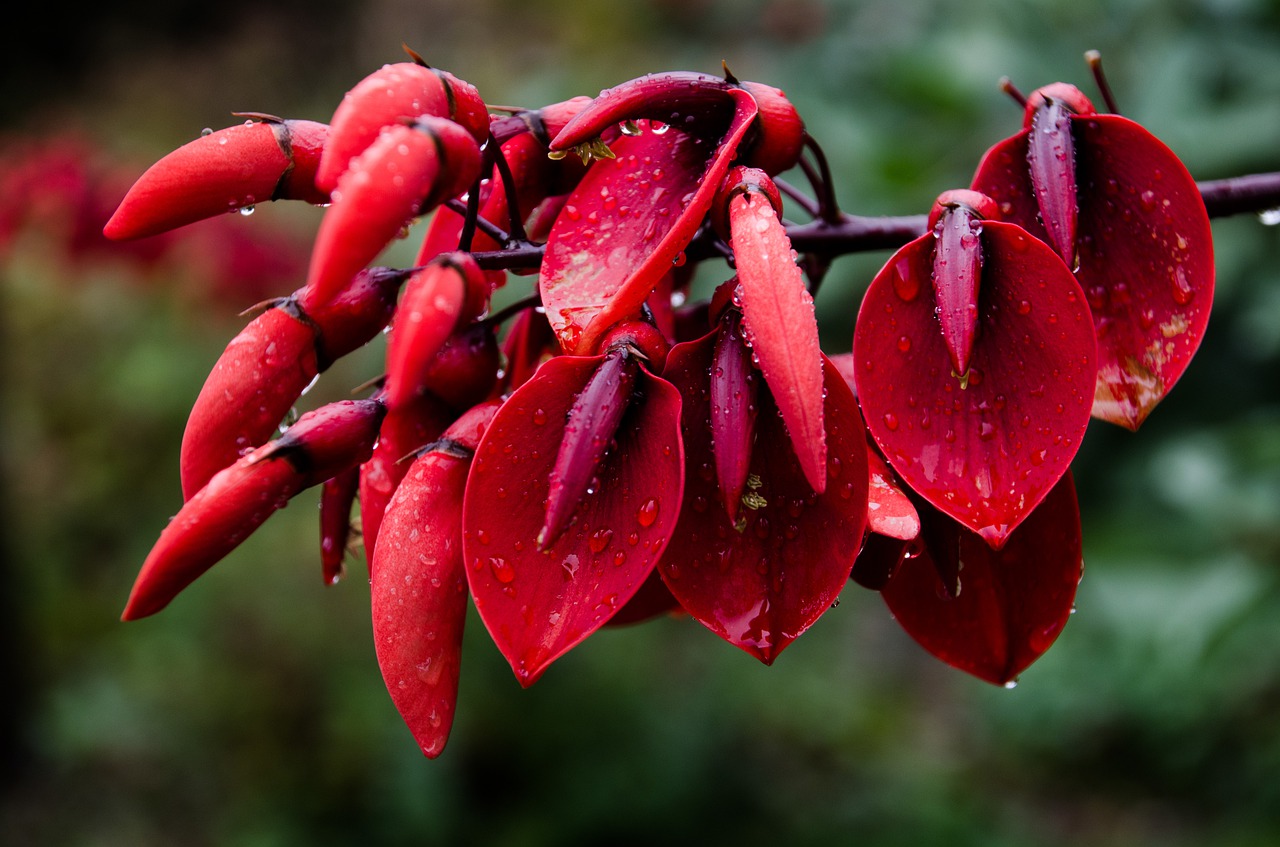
x=536, y=604
x=760, y=584
x=992, y=613
x=626, y=223
x=217, y=173
x=237, y=500
x=384, y=188
x=404, y=430
x=1145, y=250
x=419, y=597
x=988, y=448
x=336, y=499
x=777, y=312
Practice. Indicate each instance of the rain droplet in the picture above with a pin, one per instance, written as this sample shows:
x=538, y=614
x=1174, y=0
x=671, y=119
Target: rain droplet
x=648, y=513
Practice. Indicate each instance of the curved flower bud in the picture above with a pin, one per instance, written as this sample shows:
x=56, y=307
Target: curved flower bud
x=233, y=168
x=240, y=498
x=406, y=172
x=337, y=496
x=267, y=366
x=393, y=95
x=418, y=584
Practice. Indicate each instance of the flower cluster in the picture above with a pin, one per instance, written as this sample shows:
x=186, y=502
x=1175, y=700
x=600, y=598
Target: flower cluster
x=607, y=449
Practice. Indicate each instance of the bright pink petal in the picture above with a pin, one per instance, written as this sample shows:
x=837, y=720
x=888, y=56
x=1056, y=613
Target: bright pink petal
x=1145, y=250
x=538, y=604
x=761, y=581
x=987, y=448
x=987, y=612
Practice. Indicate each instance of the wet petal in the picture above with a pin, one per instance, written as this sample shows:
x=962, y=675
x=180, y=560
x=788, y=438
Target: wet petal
x=761, y=581
x=626, y=223
x=987, y=447
x=781, y=326
x=987, y=612
x=1145, y=250
x=538, y=604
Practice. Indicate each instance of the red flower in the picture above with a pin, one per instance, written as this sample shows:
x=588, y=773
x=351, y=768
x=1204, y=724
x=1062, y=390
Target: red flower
x=1121, y=209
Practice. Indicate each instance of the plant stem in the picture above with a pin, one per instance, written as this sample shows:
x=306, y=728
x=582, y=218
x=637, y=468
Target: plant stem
x=858, y=233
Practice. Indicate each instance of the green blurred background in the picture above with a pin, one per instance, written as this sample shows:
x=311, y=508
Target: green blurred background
x=252, y=712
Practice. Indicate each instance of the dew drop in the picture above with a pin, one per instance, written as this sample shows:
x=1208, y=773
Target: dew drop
x=891, y=421
x=600, y=539
x=648, y=513
x=904, y=344
x=502, y=571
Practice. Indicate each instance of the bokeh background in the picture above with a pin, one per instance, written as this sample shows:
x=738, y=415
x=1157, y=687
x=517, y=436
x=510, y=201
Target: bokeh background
x=252, y=712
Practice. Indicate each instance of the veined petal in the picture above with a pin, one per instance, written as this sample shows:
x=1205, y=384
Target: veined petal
x=985, y=447
x=781, y=326
x=1145, y=254
x=626, y=223
x=539, y=603
x=762, y=580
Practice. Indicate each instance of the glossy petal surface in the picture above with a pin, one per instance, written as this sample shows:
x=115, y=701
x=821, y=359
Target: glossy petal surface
x=419, y=597
x=762, y=581
x=539, y=604
x=991, y=613
x=1145, y=251
x=988, y=448
x=777, y=313
x=625, y=224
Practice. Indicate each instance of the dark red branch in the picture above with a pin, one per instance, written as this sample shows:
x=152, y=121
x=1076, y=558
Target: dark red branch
x=859, y=234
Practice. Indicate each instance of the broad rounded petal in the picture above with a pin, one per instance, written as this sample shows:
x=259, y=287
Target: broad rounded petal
x=1145, y=250
x=762, y=581
x=780, y=323
x=538, y=604
x=986, y=448
x=419, y=597
x=625, y=225
x=987, y=612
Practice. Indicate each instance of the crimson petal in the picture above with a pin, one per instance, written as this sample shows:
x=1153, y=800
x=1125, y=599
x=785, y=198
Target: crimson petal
x=538, y=604
x=627, y=221
x=1145, y=253
x=987, y=448
x=762, y=581
x=987, y=612
x=419, y=586
x=777, y=313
